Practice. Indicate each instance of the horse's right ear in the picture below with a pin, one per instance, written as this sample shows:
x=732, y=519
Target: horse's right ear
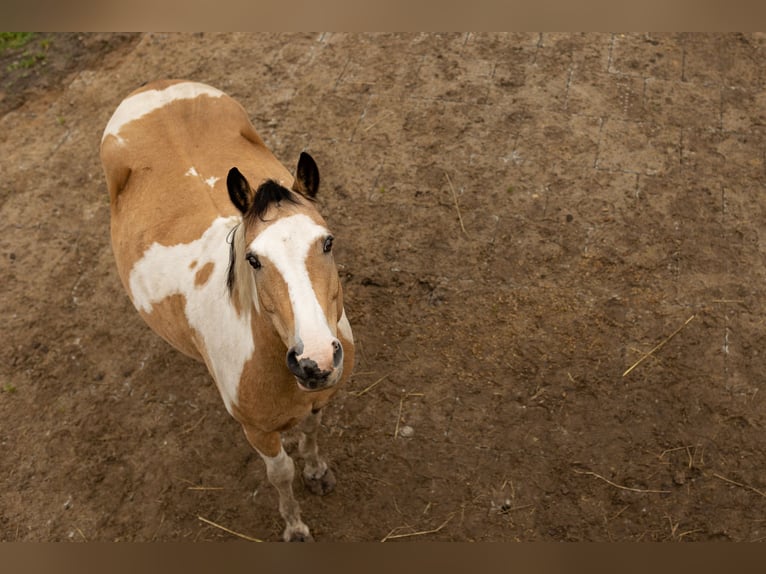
x=240, y=193
x=306, y=176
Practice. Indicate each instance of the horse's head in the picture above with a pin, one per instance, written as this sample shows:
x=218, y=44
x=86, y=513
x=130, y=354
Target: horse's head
x=283, y=252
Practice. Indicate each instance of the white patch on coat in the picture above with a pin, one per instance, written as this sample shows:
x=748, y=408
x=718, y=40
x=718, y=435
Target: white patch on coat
x=138, y=105
x=286, y=244
x=167, y=270
x=210, y=181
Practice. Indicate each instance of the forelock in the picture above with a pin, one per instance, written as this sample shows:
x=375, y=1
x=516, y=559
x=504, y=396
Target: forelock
x=269, y=193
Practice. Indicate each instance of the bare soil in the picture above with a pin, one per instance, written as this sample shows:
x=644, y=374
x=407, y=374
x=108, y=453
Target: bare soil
x=520, y=219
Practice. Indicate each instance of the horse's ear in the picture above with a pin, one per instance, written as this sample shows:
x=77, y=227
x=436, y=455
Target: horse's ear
x=240, y=193
x=306, y=176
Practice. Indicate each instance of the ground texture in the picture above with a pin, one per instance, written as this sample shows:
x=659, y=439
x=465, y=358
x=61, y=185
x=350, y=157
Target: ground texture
x=519, y=219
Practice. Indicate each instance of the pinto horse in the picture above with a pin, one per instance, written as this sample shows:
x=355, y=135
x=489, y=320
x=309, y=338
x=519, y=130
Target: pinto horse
x=225, y=256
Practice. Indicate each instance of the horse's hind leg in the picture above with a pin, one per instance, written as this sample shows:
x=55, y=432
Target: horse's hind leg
x=317, y=476
x=280, y=470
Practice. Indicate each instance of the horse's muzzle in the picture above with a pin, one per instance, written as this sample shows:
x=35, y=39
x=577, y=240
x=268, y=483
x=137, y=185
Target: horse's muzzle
x=309, y=375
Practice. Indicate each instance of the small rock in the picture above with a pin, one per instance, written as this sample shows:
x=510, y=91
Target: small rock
x=406, y=431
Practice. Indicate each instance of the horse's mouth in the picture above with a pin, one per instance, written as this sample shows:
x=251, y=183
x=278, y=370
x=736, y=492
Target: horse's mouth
x=309, y=376
x=320, y=381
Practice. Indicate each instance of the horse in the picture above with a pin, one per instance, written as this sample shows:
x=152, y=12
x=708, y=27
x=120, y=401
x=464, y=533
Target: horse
x=225, y=255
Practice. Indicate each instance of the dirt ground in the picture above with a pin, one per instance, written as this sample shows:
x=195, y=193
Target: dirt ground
x=519, y=219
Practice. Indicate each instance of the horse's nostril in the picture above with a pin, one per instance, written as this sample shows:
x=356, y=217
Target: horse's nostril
x=337, y=353
x=293, y=364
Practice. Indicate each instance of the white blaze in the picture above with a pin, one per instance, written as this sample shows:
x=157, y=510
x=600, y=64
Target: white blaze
x=286, y=245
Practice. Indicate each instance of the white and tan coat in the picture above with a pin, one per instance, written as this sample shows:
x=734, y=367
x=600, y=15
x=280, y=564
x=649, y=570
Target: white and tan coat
x=233, y=267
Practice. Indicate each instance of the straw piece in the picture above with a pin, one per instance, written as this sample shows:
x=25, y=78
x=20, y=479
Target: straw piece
x=244, y=536
x=399, y=417
x=621, y=487
x=386, y=114
x=747, y=486
x=360, y=393
x=659, y=346
x=457, y=207
x=195, y=425
x=391, y=535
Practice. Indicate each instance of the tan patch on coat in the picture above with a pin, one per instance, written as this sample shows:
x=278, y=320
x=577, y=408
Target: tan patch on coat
x=203, y=275
x=168, y=319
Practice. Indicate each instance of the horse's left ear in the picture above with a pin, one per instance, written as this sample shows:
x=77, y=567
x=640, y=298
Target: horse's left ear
x=306, y=176
x=240, y=193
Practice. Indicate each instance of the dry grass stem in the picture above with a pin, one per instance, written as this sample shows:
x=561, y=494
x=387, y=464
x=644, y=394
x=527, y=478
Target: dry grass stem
x=243, y=536
x=399, y=416
x=674, y=449
x=680, y=536
x=658, y=346
x=195, y=425
x=689, y=454
x=360, y=393
x=621, y=487
x=457, y=207
x=735, y=483
x=370, y=476
x=205, y=488
x=382, y=116
x=623, y=509
x=392, y=536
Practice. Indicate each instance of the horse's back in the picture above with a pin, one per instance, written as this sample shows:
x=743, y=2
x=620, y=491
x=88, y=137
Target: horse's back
x=166, y=152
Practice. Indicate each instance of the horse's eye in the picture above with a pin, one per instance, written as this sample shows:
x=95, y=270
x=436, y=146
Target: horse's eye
x=327, y=247
x=253, y=260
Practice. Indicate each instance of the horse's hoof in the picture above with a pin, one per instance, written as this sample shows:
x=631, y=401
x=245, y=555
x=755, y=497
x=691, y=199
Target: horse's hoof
x=299, y=536
x=322, y=485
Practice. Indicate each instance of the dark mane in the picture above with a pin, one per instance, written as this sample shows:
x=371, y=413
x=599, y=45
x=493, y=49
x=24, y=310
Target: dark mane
x=231, y=271
x=268, y=193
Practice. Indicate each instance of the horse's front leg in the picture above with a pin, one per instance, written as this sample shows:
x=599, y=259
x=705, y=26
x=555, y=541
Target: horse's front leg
x=280, y=470
x=317, y=476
